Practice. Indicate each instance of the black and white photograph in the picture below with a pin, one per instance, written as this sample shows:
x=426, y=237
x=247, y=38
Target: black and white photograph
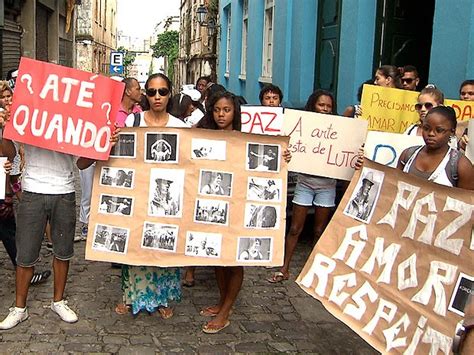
x=125, y=147
x=117, y=177
x=464, y=287
x=361, y=205
x=207, y=245
x=208, y=149
x=254, y=249
x=165, y=195
x=158, y=236
x=263, y=189
x=116, y=205
x=262, y=216
x=263, y=157
x=110, y=239
x=212, y=212
x=161, y=147
x=218, y=183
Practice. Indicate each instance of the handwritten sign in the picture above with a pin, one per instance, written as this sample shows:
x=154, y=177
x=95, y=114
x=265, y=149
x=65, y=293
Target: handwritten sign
x=323, y=145
x=393, y=279
x=63, y=109
x=262, y=119
x=470, y=143
x=385, y=148
x=218, y=198
x=387, y=109
x=464, y=109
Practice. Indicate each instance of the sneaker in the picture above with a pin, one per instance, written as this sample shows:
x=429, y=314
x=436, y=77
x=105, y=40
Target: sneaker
x=15, y=317
x=40, y=277
x=83, y=235
x=62, y=309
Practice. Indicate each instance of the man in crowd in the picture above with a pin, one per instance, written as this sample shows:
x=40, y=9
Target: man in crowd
x=410, y=78
x=270, y=95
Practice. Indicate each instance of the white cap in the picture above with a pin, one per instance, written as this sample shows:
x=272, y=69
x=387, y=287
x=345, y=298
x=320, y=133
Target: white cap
x=189, y=90
x=117, y=78
x=15, y=74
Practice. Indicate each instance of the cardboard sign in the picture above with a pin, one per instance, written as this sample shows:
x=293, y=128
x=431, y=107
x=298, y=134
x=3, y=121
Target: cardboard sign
x=464, y=109
x=63, y=109
x=389, y=262
x=262, y=119
x=385, y=148
x=470, y=143
x=323, y=145
x=176, y=197
x=387, y=109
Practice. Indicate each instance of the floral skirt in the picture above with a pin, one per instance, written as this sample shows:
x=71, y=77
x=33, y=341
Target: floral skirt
x=148, y=287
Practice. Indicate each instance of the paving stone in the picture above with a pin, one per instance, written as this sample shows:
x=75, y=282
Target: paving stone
x=282, y=347
x=136, y=350
x=251, y=347
x=82, y=347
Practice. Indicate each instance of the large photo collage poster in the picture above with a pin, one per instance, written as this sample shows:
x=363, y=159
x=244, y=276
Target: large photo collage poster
x=396, y=262
x=177, y=197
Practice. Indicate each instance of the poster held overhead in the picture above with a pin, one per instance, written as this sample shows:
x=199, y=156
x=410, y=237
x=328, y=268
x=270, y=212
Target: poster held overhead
x=64, y=109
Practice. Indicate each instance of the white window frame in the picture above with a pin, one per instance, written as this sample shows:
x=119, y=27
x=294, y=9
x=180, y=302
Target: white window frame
x=227, y=53
x=267, y=50
x=245, y=27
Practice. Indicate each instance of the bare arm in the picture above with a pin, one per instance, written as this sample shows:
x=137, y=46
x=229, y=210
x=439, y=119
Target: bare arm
x=466, y=174
x=403, y=157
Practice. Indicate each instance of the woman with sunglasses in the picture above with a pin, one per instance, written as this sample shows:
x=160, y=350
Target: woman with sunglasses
x=145, y=287
x=429, y=97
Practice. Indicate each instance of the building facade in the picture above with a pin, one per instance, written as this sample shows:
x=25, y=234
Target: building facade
x=336, y=45
x=38, y=29
x=96, y=34
x=197, y=48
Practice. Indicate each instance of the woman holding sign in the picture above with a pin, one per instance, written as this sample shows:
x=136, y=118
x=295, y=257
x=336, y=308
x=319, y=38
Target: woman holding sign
x=145, y=287
x=223, y=113
x=429, y=97
x=436, y=161
x=310, y=190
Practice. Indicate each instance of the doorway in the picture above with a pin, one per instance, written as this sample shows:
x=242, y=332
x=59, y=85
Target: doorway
x=404, y=29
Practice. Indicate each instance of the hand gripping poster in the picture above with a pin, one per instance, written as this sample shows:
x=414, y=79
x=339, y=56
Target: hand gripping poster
x=63, y=109
x=396, y=263
x=176, y=197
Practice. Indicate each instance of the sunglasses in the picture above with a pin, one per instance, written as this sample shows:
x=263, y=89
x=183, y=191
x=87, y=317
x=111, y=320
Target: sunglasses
x=419, y=105
x=161, y=91
x=407, y=80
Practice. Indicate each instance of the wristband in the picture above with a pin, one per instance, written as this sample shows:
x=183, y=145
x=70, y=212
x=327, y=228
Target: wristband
x=16, y=187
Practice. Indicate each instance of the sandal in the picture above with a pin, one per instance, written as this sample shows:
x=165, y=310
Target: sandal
x=208, y=312
x=277, y=277
x=211, y=329
x=187, y=283
x=166, y=312
x=40, y=277
x=122, y=309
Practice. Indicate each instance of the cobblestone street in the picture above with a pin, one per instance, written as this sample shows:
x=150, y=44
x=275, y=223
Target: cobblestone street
x=267, y=317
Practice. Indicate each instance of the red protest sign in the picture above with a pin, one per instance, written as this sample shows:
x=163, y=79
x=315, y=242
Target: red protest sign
x=63, y=109
x=262, y=119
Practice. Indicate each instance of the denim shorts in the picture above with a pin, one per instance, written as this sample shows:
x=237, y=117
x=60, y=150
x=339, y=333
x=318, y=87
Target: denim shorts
x=305, y=196
x=34, y=210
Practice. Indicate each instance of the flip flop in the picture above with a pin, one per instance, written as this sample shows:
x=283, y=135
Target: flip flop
x=122, y=309
x=188, y=283
x=166, y=312
x=206, y=312
x=213, y=329
x=277, y=277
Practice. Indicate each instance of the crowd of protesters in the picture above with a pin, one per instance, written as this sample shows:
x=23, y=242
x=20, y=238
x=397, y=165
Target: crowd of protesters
x=35, y=171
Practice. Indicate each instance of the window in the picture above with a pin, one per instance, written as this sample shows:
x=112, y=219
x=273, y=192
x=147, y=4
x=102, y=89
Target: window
x=227, y=54
x=267, y=55
x=245, y=27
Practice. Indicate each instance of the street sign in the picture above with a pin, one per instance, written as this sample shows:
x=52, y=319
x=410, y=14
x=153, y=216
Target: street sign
x=116, y=69
x=116, y=58
x=116, y=63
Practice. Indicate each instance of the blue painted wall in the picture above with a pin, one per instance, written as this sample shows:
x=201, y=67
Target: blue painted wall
x=295, y=34
x=452, y=49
